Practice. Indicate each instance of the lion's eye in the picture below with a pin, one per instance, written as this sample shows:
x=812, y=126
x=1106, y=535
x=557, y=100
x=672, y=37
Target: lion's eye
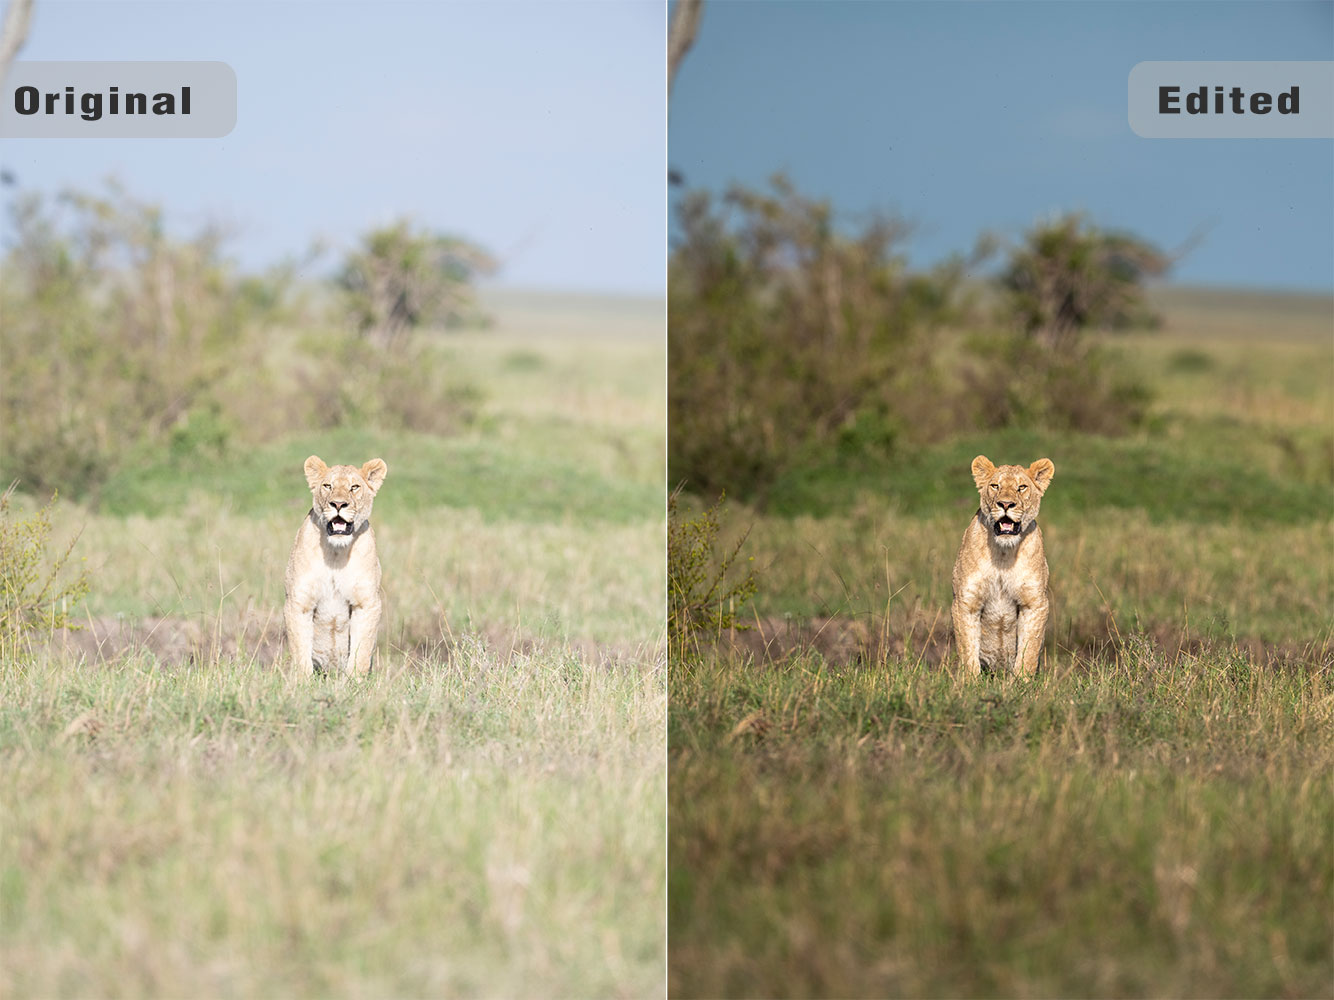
x=995, y=486
x=1022, y=487
x=327, y=486
x=355, y=487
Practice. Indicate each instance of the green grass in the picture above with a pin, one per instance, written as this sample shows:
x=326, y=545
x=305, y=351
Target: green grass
x=483, y=817
x=1221, y=470
x=511, y=469
x=484, y=824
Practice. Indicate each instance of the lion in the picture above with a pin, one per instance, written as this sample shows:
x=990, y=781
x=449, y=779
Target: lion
x=333, y=605
x=1001, y=597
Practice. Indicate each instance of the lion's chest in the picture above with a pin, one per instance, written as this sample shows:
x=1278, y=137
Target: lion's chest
x=999, y=593
x=338, y=584
x=333, y=594
x=1005, y=580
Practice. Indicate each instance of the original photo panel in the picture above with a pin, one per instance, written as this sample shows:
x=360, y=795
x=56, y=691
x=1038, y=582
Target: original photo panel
x=332, y=449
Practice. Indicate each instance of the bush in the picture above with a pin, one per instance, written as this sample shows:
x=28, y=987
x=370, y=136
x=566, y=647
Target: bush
x=30, y=599
x=401, y=279
x=357, y=383
x=784, y=332
x=119, y=338
x=1015, y=382
x=1068, y=276
x=700, y=600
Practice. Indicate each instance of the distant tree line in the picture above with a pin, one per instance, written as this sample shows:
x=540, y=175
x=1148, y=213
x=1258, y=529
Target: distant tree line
x=126, y=343
x=791, y=334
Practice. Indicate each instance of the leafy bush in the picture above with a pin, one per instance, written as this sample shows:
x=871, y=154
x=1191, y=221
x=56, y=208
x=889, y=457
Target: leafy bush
x=1015, y=381
x=119, y=337
x=401, y=279
x=700, y=599
x=1068, y=276
x=784, y=332
x=30, y=599
x=357, y=383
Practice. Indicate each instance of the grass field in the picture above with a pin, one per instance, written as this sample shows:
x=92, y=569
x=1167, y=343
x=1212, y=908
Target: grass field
x=1151, y=816
x=483, y=817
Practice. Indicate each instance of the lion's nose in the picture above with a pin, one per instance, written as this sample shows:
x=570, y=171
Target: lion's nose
x=338, y=505
x=1006, y=505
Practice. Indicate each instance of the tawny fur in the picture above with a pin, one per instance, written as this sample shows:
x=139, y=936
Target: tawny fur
x=333, y=605
x=1001, y=598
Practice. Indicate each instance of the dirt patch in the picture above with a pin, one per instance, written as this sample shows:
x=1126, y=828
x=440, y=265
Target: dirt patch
x=846, y=641
x=174, y=639
x=185, y=641
x=841, y=640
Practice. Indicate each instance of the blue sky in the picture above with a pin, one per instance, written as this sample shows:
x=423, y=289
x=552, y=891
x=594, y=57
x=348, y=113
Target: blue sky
x=536, y=129
x=964, y=117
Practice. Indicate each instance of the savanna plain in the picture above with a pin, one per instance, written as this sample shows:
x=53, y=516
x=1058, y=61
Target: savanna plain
x=483, y=816
x=1151, y=815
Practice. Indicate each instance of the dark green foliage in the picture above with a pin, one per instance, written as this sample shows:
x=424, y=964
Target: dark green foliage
x=1014, y=380
x=1069, y=276
x=784, y=332
x=1219, y=475
x=792, y=338
x=701, y=601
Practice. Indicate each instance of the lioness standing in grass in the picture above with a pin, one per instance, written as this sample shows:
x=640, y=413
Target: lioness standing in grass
x=333, y=602
x=1001, y=599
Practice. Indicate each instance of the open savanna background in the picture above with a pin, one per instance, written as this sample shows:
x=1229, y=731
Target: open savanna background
x=182, y=817
x=1151, y=815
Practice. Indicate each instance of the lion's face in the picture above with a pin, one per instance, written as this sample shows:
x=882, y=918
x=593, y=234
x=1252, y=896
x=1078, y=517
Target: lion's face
x=1011, y=496
x=343, y=496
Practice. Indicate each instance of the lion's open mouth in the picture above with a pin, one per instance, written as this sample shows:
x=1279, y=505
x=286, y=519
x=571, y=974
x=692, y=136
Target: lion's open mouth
x=1006, y=526
x=338, y=525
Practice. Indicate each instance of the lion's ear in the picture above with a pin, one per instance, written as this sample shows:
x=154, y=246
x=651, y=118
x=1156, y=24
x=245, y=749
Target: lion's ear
x=982, y=470
x=374, y=472
x=1041, y=472
x=316, y=471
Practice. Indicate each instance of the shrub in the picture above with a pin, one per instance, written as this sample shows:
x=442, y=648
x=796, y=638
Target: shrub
x=700, y=599
x=119, y=338
x=784, y=331
x=401, y=279
x=1068, y=276
x=409, y=388
x=1015, y=381
x=30, y=599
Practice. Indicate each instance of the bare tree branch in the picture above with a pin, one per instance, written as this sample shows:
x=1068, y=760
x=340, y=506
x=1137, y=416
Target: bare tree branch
x=14, y=33
x=681, y=35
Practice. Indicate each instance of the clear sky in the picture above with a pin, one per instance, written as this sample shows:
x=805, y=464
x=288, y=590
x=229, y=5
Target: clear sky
x=964, y=117
x=535, y=129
